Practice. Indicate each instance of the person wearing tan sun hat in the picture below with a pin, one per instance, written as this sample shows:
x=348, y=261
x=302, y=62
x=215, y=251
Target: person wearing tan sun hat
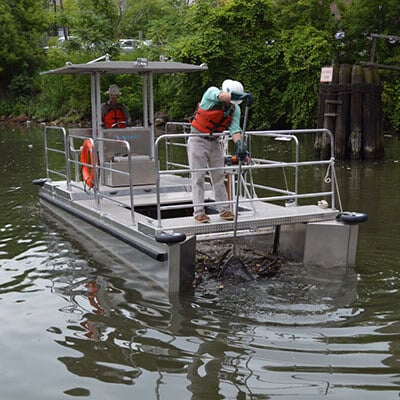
x=113, y=113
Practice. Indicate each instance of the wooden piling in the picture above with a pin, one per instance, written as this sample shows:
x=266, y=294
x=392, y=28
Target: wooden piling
x=372, y=146
x=327, y=113
x=343, y=117
x=351, y=107
x=355, y=140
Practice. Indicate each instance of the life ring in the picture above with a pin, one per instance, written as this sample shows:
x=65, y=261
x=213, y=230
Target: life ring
x=352, y=217
x=87, y=159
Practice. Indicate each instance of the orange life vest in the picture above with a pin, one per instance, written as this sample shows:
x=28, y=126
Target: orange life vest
x=212, y=120
x=114, y=118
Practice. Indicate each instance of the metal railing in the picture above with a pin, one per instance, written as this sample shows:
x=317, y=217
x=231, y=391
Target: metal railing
x=249, y=188
x=174, y=127
x=256, y=164
x=49, y=150
x=70, y=153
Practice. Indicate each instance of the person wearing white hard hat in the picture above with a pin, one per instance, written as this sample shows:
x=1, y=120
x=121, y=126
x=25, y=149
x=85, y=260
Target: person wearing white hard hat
x=217, y=111
x=113, y=113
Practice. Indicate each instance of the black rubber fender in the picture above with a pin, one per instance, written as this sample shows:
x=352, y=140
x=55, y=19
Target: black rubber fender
x=352, y=217
x=39, y=181
x=170, y=237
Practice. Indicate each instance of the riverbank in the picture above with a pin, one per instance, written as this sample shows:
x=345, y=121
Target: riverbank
x=160, y=120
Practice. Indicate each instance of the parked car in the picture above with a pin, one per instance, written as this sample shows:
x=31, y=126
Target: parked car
x=133, y=44
x=128, y=44
x=62, y=39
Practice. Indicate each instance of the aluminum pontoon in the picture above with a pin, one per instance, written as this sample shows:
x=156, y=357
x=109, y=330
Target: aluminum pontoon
x=142, y=193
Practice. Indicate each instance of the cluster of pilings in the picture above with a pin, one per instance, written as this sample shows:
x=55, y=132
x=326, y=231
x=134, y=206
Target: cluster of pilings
x=351, y=108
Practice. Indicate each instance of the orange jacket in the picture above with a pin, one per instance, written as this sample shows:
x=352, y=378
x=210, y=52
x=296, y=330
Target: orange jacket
x=213, y=120
x=114, y=117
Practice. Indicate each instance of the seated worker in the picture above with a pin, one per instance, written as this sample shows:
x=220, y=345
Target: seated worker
x=113, y=113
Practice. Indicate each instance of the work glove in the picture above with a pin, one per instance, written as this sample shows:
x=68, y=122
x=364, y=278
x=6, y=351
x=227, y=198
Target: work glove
x=248, y=97
x=241, y=150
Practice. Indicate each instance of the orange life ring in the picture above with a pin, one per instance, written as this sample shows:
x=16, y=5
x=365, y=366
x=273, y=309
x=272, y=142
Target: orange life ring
x=87, y=158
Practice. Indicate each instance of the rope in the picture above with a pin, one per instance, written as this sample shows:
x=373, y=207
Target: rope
x=86, y=188
x=327, y=179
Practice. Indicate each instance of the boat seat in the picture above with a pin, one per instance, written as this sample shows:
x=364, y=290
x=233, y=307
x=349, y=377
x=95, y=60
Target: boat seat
x=143, y=170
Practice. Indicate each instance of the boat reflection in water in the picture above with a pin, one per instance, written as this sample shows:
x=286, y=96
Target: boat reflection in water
x=122, y=330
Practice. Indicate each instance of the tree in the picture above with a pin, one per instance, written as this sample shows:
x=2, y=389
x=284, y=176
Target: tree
x=275, y=47
x=306, y=31
x=23, y=24
x=360, y=19
x=232, y=39
x=93, y=24
x=138, y=16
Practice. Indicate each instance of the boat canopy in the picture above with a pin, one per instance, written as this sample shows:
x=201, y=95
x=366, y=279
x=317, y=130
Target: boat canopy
x=127, y=67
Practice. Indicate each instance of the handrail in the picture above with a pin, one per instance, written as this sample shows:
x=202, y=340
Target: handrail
x=97, y=193
x=159, y=172
x=185, y=126
x=287, y=135
x=179, y=168
x=48, y=149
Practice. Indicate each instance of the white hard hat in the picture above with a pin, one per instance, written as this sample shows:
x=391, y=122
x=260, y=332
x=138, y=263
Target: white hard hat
x=228, y=85
x=114, y=89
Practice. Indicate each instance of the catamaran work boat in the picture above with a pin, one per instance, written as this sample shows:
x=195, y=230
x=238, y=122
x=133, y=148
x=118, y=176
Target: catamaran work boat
x=135, y=193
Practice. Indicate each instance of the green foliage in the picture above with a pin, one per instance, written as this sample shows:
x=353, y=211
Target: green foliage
x=66, y=97
x=294, y=14
x=63, y=96
x=276, y=48
x=361, y=19
x=91, y=23
x=169, y=27
x=142, y=15
x=232, y=40
x=391, y=102
x=23, y=24
x=365, y=17
x=305, y=50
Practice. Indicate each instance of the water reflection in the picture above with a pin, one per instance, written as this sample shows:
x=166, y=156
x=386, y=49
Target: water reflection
x=216, y=341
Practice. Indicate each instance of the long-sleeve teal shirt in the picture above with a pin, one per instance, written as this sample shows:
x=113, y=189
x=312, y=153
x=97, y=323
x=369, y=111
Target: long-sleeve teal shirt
x=210, y=98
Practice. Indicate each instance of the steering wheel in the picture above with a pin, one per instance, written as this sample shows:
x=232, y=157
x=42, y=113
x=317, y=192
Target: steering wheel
x=119, y=124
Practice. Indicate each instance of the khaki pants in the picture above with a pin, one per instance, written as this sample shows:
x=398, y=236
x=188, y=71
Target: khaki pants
x=203, y=153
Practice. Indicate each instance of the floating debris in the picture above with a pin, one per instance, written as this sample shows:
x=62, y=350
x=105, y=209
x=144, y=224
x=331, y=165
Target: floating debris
x=211, y=256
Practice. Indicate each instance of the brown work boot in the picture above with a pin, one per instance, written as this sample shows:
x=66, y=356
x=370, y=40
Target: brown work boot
x=227, y=215
x=202, y=218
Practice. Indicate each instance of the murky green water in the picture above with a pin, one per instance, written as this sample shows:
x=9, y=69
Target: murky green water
x=306, y=333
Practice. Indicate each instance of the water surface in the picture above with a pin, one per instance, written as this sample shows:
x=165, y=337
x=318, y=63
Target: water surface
x=79, y=325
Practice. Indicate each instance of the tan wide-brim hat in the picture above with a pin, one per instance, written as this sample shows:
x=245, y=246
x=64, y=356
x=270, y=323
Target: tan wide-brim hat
x=114, y=89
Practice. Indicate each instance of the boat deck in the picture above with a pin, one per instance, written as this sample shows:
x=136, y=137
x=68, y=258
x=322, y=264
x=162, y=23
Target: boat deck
x=114, y=209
